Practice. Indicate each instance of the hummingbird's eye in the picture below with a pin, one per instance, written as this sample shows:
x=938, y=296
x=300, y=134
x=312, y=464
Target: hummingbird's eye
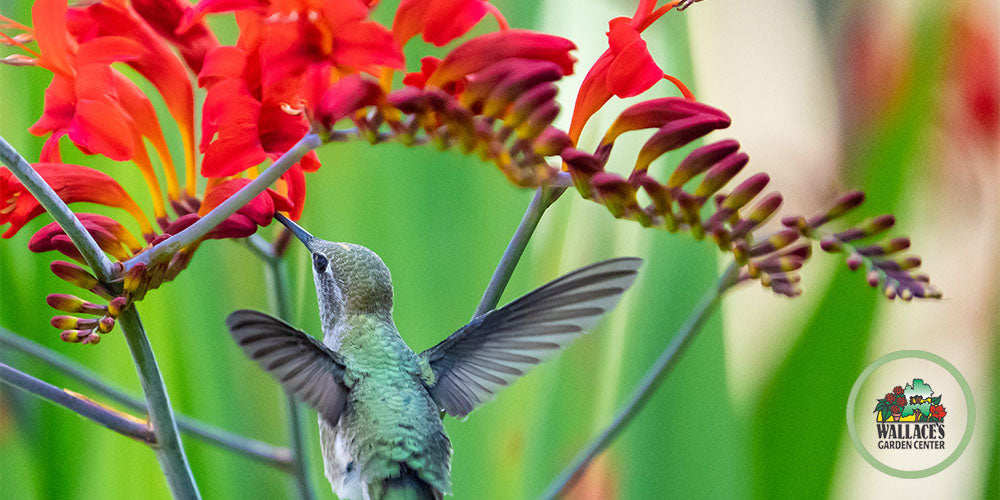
x=319, y=262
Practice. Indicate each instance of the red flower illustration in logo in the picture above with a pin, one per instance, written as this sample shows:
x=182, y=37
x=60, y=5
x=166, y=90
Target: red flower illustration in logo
x=890, y=397
x=894, y=409
x=897, y=390
x=937, y=411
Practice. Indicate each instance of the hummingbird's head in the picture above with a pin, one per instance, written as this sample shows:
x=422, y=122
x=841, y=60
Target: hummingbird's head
x=350, y=279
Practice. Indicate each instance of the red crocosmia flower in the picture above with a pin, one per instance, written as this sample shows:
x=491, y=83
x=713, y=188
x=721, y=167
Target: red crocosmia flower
x=81, y=100
x=156, y=62
x=487, y=50
x=243, y=124
x=937, y=411
x=165, y=16
x=626, y=69
x=297, y=33
x=334, y=102
x=72, y=183
x=440, y=21
x=230, y=141
x=260, y=209
x=898, y=390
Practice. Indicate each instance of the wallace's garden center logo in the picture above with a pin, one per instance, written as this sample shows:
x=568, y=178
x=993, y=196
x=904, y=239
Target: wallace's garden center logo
x=910, y=414
x=910, y=418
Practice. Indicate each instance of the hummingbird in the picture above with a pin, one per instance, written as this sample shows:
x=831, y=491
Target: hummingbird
x=380, y=405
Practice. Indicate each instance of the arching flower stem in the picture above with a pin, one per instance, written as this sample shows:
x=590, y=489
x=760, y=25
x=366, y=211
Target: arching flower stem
x=656, y=374
x=544, y=197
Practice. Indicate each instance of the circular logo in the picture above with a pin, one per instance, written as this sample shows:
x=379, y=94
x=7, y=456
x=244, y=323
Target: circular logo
x=910, y=414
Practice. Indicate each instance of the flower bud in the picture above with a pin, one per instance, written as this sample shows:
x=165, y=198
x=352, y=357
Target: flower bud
x=700, y=160
x=76, y=275
x=873, y=278
x=106, y=324
x=854, y=261
x=116, y=306
x=676, y=134
x=720, y=174
x=72, y=304
x=74, y=336
x=830, y=244
x=843, y=205
x=64, y=322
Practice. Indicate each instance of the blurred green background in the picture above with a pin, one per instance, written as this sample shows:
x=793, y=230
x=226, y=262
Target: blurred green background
x=824, y=96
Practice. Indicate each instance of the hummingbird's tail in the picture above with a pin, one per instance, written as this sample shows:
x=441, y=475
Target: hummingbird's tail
x=406, y=486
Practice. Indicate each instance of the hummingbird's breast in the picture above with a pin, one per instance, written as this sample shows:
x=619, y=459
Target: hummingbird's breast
x=390, y=421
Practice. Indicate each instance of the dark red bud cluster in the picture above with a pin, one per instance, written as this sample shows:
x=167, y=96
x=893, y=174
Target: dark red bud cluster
x=885, y=267
x=84, y=330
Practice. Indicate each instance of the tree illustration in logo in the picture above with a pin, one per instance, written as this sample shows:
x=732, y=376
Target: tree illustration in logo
x=915, y=402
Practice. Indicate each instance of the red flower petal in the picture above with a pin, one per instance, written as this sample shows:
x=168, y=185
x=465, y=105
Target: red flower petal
x=418, y=79
x=49, y=18
x=345, y=97
x=72, y=183
x=222, y=63
x=157, y=62
x=100, y=125
x=60, y=102
x=232, y=113
x=165, y=17
x=485, y=50
x=260, y=209
x=294, y=201
x=235, y=226
x=441, y=21
x=632, y=70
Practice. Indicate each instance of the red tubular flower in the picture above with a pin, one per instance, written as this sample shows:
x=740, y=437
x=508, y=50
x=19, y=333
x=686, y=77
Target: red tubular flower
x=81, y=101
x=440, y=21
x=165, y=16
x=260, y=209
x=626, y=69
x=490, y=49
x=156, y=62
x=72, y=183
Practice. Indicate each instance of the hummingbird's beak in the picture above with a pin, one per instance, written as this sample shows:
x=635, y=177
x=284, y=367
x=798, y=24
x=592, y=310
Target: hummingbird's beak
x=296, y=229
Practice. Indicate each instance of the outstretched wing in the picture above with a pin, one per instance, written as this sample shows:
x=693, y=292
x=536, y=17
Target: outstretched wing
x=303, y=366
x=472, y=364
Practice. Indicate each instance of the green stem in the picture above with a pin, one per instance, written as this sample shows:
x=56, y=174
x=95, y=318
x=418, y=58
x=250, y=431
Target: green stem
x=278, y=280
x=266, y=453
x=54, y=205
x=124, y=424
x=647, y=387
x=543, y=199
x=169, y=450
x=213, y=218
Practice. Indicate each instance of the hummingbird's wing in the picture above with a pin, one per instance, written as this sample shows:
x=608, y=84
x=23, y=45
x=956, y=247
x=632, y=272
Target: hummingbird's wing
x=472, y=364
x=304, y=366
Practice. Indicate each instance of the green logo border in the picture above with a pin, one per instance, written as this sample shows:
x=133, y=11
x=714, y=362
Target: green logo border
x=970, y=420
